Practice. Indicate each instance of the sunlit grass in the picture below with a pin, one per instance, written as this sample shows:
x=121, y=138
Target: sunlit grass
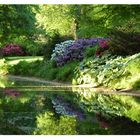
x=15, y=60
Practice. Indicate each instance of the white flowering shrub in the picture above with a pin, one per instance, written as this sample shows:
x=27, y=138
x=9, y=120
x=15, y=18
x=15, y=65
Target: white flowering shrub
x=60, y=49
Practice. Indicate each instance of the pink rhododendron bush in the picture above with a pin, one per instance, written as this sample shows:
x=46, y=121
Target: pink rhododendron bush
x=12, y=50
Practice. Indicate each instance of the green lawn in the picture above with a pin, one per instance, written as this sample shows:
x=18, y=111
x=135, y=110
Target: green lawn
x=15, y=60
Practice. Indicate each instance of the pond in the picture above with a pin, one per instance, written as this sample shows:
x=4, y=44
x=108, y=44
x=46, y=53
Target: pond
x=29, y=107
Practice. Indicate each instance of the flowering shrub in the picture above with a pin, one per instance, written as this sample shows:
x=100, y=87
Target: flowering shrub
x=103, y=43
x=12, y=50
x=74, y=50
x=60, y=49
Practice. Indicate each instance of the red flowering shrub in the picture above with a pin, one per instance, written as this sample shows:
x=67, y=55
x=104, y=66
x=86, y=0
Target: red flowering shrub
x=103, y=46
x=12, y=50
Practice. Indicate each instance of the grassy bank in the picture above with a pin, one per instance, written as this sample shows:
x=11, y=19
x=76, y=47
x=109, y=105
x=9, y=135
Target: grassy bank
x=108, y=71
x=46, y=70
x=17, y=59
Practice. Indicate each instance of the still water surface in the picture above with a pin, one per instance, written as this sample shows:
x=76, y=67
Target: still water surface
x=30, y=107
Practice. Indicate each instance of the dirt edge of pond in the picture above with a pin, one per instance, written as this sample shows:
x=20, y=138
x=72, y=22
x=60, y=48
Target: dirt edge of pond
x=61, y=84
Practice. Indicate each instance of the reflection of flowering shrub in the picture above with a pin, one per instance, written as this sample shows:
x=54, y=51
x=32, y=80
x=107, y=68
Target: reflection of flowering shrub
x=11, y=92
x=66, y=108
x=74, y=50
x=11, y=50
x=102, y=121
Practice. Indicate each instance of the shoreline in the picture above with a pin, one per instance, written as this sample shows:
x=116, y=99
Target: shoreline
x=66, y=86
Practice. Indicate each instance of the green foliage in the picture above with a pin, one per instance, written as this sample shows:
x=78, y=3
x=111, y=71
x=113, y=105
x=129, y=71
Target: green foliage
x=19, y=27
x=4, y=82
x=48, y=125
x=115, y=15
x=24, y=68
x=3, y=67
x=107, y=70
x=17, y=20
x=45, y=69
x=53, y=39
x=45, y=25
x=30, y=46
x=99, y=20
x=90, y=51
x=66, y=72
x=50, y=18
x=110, y=71
x=109, y=105
x=30, y=26
x=125, y=42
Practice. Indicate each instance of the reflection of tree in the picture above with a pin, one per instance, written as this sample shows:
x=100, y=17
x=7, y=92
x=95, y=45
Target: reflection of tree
x=36, y=112
x=124, y=126
x=17, y=114
x=48, y=124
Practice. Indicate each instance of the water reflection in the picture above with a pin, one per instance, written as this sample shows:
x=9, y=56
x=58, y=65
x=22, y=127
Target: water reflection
x=37, y=108
x=110, y=105
x=4, y=82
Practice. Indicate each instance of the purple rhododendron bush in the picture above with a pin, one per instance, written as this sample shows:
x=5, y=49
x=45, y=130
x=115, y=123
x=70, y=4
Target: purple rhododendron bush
x=12, y=50
x=76, y=50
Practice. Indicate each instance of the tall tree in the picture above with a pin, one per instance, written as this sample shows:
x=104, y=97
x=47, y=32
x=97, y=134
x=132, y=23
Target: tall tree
x=55, y=18
x=16, y=20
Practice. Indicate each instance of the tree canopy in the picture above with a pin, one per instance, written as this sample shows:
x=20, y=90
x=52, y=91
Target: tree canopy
x=21, y=23
x=16, y=20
